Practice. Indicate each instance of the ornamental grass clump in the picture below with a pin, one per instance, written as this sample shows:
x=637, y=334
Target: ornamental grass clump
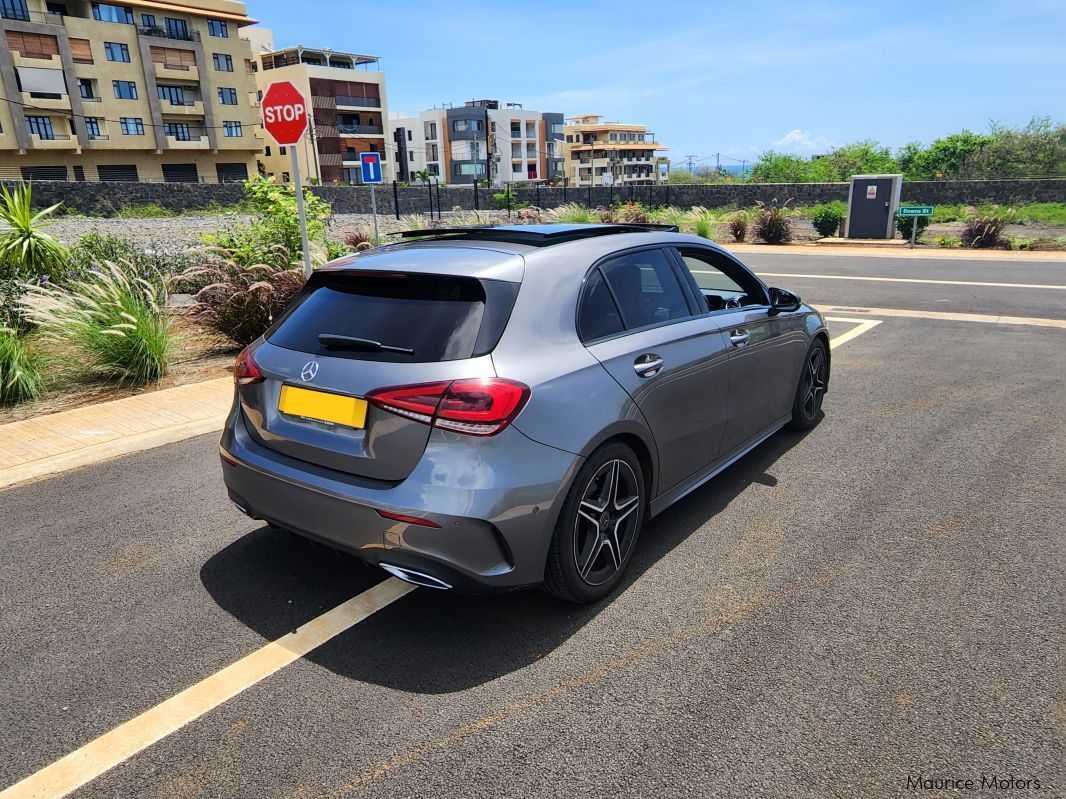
x=240, y=301
x=772, y=224
x=20, y=377
x=737, y=223
x=984, y=229
x=572, y=213
x=115, y=316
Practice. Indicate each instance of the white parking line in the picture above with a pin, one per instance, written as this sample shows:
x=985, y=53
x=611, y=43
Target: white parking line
x=123, y=742
x=112, y=748
x=1049, y=286
x=947, y=316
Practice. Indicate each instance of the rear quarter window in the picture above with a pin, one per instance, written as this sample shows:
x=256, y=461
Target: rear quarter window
x=441, y=318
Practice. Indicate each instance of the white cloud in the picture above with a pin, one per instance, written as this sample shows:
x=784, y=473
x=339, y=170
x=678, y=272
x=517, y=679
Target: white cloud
x=801, y=142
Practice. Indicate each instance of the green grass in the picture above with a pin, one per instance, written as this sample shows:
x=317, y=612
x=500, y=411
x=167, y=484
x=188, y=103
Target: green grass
x=20, y=377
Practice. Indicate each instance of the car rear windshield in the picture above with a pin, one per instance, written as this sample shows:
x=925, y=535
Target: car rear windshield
x=440, y=318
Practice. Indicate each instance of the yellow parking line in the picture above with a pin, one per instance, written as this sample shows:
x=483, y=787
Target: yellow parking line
x=112, y=748
x=1048, y=286
x=861, y=326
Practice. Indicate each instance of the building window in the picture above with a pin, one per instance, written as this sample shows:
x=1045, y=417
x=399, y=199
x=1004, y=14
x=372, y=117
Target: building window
x=227, y=96
x=116, y=51
x=281, y=151
x=85, y=89
x=266, y=151
x=232, y=130
x=351, y=174
x=92, y=127
x=15, y=9
x=463, y=125
x=132, y=126
x=409, y=135
x=175, y=95
x=125, y=89
x=223, y=62
x=148, y=20
x=217, y=27
x=177, y=130
x=40, y=127
x=105, y=12
x=285, y=177
x=178, y=29
x=430, y=129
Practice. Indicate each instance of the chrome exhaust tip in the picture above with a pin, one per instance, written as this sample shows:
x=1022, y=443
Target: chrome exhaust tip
x=415, y=577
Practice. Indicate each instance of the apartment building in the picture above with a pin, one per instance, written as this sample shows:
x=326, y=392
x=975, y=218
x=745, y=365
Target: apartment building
x=486, y=140
x=348, y=111
x=143, y=90
x=628, y=154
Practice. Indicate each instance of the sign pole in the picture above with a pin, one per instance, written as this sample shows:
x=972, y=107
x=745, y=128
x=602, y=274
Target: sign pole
x=914, y=229
x=300, y=211
x=374, y=210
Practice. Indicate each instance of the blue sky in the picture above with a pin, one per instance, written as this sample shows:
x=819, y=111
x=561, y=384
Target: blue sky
x=710, y=77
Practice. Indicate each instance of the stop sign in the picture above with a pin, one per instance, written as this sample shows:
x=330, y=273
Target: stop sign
x=284, y=112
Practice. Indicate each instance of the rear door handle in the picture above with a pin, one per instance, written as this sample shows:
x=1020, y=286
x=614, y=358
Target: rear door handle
x=739, y=337
x=648, y=365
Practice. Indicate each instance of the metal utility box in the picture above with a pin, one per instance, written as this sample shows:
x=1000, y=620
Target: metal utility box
x=872, y=204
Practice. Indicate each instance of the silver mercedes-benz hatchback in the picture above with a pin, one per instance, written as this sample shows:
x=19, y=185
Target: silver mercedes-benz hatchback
x=492, y=408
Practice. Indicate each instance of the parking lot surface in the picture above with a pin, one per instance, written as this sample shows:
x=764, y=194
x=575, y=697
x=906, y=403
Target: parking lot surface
x=838, y=612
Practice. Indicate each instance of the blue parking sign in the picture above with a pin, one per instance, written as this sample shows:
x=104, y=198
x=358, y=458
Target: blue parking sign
x=370, y=163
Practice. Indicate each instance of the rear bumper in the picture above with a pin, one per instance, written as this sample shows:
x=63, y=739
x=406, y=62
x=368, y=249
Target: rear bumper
x=495, y=500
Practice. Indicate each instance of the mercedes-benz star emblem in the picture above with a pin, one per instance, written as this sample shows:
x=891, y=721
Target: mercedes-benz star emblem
x=309, y=371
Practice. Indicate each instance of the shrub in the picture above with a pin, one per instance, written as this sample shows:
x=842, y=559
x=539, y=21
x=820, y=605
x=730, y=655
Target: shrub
x=507, y=199
x=738, y=223
x=93, y=249
x=239, y=301
x=904, y=224
x=359, y=239
x=25, y=249
x=827, y=218
x=946, y=240
x=984, y=229
x=115, y=316
x=20, y=379
x=772, y=224
x=630, y=212
x=573, y=213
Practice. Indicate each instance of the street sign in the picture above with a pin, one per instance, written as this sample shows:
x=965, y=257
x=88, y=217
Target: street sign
x=285, y=119
x=915, y=210
x=370, y=163
x=284, y=113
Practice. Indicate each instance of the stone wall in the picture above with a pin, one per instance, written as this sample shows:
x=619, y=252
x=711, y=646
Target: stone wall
x=104, y=198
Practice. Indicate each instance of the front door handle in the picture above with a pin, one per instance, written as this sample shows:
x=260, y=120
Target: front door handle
x=739, y=337
x=648, y=365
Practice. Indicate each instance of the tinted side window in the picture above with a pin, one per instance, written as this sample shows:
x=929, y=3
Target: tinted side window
x=598, y=315
x=646, y=288
x=722, y=282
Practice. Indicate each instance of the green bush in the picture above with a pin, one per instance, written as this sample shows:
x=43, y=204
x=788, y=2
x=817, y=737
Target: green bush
x=508, y=199
x=26, y=251
x=827, y=217
x=985, y=229
x=240, y=301
x=772, y=224
x=20, y=378
x=905, y=224
x=115, y=316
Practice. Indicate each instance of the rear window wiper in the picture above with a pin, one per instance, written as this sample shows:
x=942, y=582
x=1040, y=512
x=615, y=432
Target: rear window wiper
x=338, y=341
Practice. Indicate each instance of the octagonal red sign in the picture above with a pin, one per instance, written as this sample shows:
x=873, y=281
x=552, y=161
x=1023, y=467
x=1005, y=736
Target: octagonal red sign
x=284, y=112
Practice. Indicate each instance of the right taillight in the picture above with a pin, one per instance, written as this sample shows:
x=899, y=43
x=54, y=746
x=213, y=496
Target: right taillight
x=478, y=407
x=246, y=370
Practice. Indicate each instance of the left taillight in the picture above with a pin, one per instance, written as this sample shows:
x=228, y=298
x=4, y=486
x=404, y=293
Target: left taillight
x=246, y=370
x=478, y=407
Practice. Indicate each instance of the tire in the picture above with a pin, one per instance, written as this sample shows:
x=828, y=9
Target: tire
x=598, y=527
x=813, y=382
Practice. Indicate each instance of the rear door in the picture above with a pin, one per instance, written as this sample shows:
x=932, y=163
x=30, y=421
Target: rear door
x=638, y=318
x=765, y=349
x=443, y=326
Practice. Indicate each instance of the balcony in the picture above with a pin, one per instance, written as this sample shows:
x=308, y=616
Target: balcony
x=170, y=72
x=361, y=130
x=53, y=103
x=48, y=62
x=163, y=33
x=24, y=15
x=193, y=143
x=57, y=141
x=188, y=107
x=357, y=102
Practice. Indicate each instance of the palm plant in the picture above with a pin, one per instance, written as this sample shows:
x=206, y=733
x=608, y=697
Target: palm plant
x=25, y=249
x=115, y=316
x=422, y=175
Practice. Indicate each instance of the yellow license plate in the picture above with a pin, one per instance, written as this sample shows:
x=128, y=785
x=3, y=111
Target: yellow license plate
x=323, y=407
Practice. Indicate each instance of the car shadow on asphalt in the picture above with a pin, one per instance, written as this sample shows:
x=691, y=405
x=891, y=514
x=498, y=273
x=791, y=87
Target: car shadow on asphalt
x=433, y=641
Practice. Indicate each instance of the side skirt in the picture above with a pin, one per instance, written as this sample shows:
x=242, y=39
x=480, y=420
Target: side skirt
x=664, y=501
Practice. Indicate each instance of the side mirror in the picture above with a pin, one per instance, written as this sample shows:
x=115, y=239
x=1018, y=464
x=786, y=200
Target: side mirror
x=782, y=301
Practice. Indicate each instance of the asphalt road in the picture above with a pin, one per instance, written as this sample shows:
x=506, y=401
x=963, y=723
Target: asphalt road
x=877, y=599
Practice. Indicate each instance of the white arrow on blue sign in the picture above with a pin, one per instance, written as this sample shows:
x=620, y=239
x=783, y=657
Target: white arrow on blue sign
x=370, y=163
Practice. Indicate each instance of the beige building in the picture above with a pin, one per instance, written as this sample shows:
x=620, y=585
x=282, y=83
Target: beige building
x=348, y=110
x=628, y=153
x=149, y=91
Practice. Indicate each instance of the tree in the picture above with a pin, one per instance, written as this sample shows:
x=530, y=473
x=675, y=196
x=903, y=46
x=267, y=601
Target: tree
x=948, y=156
